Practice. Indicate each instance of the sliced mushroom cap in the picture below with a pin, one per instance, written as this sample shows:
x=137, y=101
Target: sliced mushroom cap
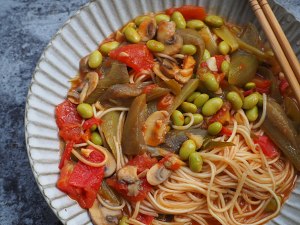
x=156, y=128
x=73, y=96
x=166, y=34
x=83, y=65
x=147, y=29
x=158, y=174
x=92, y=79
x=128, y=174
x=110, y=165
x=169, y=68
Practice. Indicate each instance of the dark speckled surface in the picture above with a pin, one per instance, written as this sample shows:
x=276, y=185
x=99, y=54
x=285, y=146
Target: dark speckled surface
x=26, y=27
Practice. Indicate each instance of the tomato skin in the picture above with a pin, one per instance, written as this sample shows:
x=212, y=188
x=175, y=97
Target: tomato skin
x=165, y=102
x=91, y=122
x=223, y=115
x=71, y=132
x=66, y=113
x=145, y=219
x=136, y=56
x=189, y=12
x=267, y=146
x=219, y=60
x=226, y=131
x=122, y=189
x=142, y=162
x=283, y=85
x=262, y=86
x=66, y=154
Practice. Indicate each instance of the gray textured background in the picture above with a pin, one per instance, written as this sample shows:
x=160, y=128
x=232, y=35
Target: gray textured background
x=26, y=27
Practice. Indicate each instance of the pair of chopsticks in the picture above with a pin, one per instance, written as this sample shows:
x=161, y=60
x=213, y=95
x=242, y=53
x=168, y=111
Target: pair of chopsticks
x=279, y=43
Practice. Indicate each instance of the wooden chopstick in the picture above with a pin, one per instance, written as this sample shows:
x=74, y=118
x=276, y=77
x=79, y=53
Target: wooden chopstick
x=283, y=41
x=277, y=48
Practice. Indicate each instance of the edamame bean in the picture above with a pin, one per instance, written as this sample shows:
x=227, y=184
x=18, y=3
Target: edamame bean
x=235, y=99
x=179, y=20
x=250, y=101
x=212, y=106
x=109, y=46
x=214, y=21
x=195, y=162
x=140, y=19
x=85, y=110
x=93, y=128
x=260, y=100
x=210, y=82
x=198, y=118
x=195, y=24
x=95, y=59
x=155, y=46
x=123, y=221
x=96, y=138
x=200, y=100
x=162, y=17
x=188, y=49
x=186, y=149
x=193, y=96
x=206, y=55
x=214, y=128
x=189, y=107
x=132, y=35
x=252, y=114
x=131, y=24
x=250, y=85
x=177, y=118
x=224, y=48
x=225, y=67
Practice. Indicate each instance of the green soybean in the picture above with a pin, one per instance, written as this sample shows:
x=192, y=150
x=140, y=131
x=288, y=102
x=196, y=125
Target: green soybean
x=188, y=107
x=250, y=101
x=109, y=46
x=96, y=138
x=195, y=162
x=93, y=128
x=85, y=110
x=252, y=114
x=179, y=20
x=200, y=100
x=250, y=85
x=195, y=24
x=162, y=17
x=193, y=96
x=177, y=118
x=188, y=147
x=225, y=67
x=155, y=46
x=224, y=48
x=206, y=55
x=95, y=59
x=235, y=99
x=214, y=21
x=212, y=106
x=132, y=35
x=123, y=221
x=214, y=128
x=260, y=100
x=198, y=118
x=188, y=49
x=210, y=82
x=140, y=19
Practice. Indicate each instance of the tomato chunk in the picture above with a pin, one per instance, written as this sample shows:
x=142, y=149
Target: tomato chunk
x=136, y=56
x=142, y=162
x=66, y=113
x=91, y=122
x=262, y=85
x=267, y=146
x=145, y=219
x=66, y=154
x=165, y=101
x=189, y=12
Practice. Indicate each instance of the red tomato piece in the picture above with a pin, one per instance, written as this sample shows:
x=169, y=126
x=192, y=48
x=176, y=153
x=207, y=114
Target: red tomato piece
x=223, y=115
x=142, y=162
x=122, y=189
x=262, y=85
x=66, y=113
x=71, y=132
x=66, y=154
x=283, y=86
x=219, y=60
x=165, y=102
x=91, y=122
x=189, y=12
x=248, y=92
x=136, y=56
x=226, y=131
x=145, y=219
x=267, y=146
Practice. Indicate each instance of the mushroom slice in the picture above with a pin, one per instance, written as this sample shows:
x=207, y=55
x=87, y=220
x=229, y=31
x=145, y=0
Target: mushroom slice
x=166, y=34
x=156, y=128
x=73, y=96
x=110, y=165
x=169, y=68
x=83, y=65
x=128, y=174
x=147, y=29
x=158, y=174
x=103, y=216
x=90, y=84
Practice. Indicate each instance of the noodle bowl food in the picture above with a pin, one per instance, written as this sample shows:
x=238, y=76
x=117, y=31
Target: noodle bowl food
x=179, y=117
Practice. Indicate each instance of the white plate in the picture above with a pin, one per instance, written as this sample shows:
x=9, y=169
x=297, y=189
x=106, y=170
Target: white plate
x=59, y=62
